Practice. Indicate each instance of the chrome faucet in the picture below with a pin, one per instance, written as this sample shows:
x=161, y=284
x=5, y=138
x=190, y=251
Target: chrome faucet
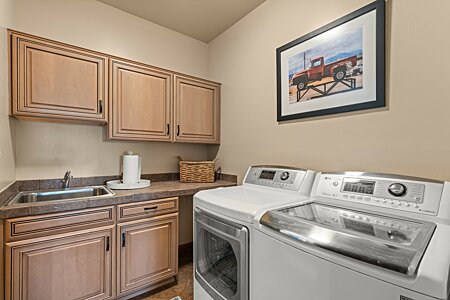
x=66, y=180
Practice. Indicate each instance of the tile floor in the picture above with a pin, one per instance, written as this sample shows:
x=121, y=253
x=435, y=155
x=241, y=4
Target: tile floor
x=183, y=288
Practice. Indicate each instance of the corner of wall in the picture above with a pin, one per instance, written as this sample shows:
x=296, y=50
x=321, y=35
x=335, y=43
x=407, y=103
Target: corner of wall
x=7, y=127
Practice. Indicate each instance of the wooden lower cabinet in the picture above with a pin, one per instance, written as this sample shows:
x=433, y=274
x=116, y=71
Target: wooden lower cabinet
x=77, y=265
x=112, y=259
x=147, y=252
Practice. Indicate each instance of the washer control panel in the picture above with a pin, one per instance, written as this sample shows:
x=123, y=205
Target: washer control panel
x=276, y=177
x=401, y=193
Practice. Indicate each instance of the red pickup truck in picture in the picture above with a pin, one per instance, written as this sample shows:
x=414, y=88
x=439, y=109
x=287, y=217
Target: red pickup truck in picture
x=318, y=70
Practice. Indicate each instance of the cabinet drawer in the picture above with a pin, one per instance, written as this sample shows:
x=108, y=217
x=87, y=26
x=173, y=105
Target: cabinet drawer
x=28, y=227
x=147, y=208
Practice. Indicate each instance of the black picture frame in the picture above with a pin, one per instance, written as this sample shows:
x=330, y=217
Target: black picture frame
x=378, y=90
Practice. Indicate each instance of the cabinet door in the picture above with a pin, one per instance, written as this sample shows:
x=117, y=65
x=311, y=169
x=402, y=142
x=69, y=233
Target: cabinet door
x=197, y=110
x=140, y=102
x=75, y=266
x=148, y=251
x=57, y=81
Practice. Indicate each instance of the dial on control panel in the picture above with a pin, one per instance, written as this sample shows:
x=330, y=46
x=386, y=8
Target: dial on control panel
x=397, y=189
x=284, y=175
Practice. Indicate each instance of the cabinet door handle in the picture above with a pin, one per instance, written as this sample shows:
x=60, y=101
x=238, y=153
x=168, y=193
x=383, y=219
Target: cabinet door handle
x=178, y=129
x=100, y=106
x=168, y=129
x=123, y=239
x=150, y=209
x=107, y=243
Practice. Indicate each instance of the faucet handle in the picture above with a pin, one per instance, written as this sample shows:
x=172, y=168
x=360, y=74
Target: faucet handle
x=66, y=179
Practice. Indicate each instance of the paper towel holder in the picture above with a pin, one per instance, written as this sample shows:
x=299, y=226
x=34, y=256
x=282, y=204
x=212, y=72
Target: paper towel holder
x=137, y=183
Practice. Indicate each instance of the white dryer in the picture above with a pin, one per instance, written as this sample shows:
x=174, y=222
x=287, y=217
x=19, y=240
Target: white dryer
x=360, y=236
x=223, y=229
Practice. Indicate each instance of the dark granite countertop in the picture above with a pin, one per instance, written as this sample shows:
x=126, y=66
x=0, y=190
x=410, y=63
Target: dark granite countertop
x=161, y=189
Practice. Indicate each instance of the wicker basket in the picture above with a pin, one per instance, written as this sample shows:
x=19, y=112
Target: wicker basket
x=197, y=171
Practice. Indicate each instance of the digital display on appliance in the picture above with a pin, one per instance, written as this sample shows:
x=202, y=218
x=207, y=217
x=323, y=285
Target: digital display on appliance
x=362, y=187
x=359, y=226
x=265, y=174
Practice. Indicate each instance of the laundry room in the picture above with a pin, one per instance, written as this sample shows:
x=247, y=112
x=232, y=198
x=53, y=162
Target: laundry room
x=198, y=149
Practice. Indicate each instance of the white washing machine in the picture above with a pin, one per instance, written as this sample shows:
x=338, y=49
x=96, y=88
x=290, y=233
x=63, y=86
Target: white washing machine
x=360, y=236
x=223, y=227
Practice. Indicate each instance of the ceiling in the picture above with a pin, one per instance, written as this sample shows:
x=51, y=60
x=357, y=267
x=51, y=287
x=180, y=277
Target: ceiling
x=203, y=20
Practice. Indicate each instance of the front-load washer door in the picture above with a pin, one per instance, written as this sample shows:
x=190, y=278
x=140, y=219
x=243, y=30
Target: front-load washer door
x=221, y=265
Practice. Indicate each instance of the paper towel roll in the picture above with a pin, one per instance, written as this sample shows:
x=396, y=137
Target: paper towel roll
x=131, y=169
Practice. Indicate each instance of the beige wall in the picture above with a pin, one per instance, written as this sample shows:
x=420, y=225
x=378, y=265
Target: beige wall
x=7, y=167
x=48, y=149
x=410, y=136
x=6, y=13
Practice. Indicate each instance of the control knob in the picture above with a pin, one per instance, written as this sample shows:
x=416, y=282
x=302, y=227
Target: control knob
x=397, y=189
x=284, y=175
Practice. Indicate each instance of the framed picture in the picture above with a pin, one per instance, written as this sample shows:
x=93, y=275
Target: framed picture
x=336, y=68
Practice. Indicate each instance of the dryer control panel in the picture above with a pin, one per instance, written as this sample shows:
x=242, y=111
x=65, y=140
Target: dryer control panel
x=391, y=191
x=278, y=177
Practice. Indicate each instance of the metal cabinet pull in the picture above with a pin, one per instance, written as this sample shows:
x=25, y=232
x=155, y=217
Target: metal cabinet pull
x=100, y=106
x=107, y=243
x=168, y=129
x=150, y=209
x=123, y=239
x=178, y=129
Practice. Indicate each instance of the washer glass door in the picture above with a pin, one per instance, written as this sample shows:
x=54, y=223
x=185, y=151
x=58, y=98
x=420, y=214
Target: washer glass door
x=221, y=265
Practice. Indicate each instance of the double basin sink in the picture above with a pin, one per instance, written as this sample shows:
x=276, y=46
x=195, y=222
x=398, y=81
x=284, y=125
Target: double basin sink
x=62, y=194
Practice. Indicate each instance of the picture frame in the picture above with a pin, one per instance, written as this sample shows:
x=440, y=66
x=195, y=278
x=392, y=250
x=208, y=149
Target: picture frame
x=337, y=68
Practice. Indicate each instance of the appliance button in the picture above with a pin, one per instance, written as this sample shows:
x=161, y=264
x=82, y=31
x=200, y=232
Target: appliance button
x=377, y=199
x=334, y=220
x=416, y=198
x=352, y=216
x=367, y=219
x=359, y=198
x=345, y=215
x=367, y=198
x=335, y=183
x=407, y=205
x=384, y=200
x=416, y=205
x=352, y=196
x=391, y=202
x=359, y=218
x=345, y=195
x=399, y=204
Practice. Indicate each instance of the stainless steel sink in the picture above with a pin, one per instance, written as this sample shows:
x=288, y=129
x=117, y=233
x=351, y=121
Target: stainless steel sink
x=57, y=195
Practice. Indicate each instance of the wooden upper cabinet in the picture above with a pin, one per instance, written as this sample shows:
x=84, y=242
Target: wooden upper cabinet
x=60, y=82
x=52, y=80
x=197, y=110
x=140, y=102
x=62, y=267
